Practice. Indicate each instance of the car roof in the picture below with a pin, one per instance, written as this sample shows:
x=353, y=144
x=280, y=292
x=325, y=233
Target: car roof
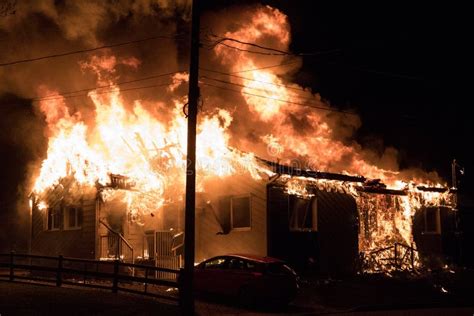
x=255, y=258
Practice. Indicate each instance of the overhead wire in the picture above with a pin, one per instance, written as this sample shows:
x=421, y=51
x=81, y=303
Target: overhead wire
x=15, y=62
x=280, y=100
x=255, y=80
x=255, y=88
x=273, y=51
x=278, y=52
x=268, y=67
x=59, y=94
x=106, y=91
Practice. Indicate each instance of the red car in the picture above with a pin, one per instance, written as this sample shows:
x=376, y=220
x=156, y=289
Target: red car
x=250, y=278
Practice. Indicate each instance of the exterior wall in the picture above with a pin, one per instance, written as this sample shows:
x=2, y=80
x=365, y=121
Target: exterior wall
x=436, y=248
x=78, y=243
x=331, y=249
x=135, y=233
x=338, y=230
x=213, y=240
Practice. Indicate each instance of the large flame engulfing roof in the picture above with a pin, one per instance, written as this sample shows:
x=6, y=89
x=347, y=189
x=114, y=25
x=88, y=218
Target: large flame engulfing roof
x=149, y=147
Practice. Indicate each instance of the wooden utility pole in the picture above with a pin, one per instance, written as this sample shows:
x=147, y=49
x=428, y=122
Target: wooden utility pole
x=454, y=186
x=193, y=96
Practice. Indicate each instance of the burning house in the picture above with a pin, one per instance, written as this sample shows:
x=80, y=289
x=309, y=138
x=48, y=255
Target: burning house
x=112, y=183
x=333, y=223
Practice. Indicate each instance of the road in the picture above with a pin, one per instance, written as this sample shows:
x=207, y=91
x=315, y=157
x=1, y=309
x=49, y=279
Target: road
x=31, y=299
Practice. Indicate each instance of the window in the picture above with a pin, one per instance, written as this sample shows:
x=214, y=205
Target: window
x=53, y=218
x=237, y=264
x=242, y=264
x=235, y=213
x=218, y=263
x=149, y=251
x=173, y=216
x=302, y=214
x=432, y=220
x=72, y=217
x=240, y=213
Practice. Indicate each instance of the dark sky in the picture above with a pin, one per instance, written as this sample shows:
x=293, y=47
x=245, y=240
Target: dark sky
x=400, y=66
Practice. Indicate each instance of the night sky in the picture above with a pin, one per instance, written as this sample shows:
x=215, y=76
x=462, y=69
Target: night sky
x=400, y=66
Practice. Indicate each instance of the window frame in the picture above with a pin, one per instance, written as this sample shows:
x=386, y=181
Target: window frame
x=248, y=228
x=313, y=208
x=50, y=216
x=149, y=245
x=66, y=215
x=437, y=211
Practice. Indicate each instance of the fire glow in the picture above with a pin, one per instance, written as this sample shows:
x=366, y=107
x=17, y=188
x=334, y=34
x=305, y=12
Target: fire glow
x=149, y=148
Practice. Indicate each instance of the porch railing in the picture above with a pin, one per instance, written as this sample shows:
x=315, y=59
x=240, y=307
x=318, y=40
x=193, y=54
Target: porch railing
x=115, y=246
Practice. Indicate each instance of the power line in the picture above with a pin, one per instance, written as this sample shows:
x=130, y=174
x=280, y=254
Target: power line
x=267, y=67
x=107, y=91
x=61, y=94
x=252, y=51
x=279, y=100
x=87, y=50
x=278, y=52
x=249, y=79
x=257, y=89
x=275, y=51
x=255, y=69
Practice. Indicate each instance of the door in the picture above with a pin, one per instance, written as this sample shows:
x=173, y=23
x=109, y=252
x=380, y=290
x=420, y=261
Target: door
x=337, y=234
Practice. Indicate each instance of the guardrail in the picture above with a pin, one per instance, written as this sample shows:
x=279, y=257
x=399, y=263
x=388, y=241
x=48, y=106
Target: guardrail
x=113, y=275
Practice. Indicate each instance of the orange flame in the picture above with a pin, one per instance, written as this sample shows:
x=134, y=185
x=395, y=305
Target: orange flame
x=150, y=149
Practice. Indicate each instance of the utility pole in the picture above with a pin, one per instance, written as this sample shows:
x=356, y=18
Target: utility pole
x=189, y=236
x=454, y=184
x=454, y=187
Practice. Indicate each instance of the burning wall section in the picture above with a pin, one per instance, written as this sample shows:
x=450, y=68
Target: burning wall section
x=386, y=236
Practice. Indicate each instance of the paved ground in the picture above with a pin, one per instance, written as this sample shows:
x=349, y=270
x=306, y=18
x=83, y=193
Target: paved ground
x=468, y=311
x=29, y=299
x=355, y=297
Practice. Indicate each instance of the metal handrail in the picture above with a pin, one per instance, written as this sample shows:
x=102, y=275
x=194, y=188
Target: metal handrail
x=120, y=236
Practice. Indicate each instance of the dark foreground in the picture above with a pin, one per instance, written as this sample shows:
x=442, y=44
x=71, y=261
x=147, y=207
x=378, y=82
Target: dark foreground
x=445, y=294
x=31, y=299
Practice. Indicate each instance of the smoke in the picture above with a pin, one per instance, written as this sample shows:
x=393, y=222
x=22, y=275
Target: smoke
x=42, y=28
x=271, y=129
x=23, y=146
x=86, y=20
x=299, y=129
